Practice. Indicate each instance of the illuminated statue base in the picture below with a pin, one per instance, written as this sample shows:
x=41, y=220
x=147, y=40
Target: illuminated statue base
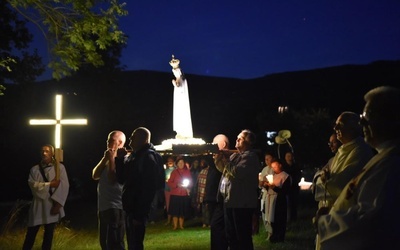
x=186, y=147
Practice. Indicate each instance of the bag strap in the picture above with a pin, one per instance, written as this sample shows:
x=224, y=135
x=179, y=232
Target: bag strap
x=44, y=177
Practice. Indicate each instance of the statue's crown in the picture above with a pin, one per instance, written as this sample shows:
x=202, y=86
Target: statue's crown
x=174, y=62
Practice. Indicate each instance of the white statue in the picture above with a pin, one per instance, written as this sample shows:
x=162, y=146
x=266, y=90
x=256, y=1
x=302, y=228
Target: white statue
x=182, y=120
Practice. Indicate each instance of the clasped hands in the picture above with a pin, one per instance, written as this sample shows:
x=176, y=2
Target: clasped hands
x=265, y=183
x=325, y=175
x=320, y=212
x=55, y=183
x=121, y=152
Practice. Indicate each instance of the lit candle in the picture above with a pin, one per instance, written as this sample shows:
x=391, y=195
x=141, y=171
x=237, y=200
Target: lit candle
x=270, y=178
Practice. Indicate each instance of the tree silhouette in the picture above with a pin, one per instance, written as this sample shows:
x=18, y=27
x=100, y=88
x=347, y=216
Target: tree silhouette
x=17, y=65
x=76, y=31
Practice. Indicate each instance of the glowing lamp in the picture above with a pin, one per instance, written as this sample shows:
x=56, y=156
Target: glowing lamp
x=185, y=182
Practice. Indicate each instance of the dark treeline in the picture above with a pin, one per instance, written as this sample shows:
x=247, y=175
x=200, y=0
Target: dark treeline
x=144, y=98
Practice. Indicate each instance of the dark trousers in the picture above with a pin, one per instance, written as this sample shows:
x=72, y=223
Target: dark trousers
x=135, y=230
x=112, y=229
x=217, y=228
x=238, y=226
x=292, y=198
x=47, y=236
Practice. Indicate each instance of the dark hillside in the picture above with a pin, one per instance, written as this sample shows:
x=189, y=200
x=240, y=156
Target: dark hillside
x=144, y=98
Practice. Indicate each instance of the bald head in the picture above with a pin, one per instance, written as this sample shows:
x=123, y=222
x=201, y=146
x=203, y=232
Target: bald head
x=222, y=141
x=119, y=135
x=347, y=127
x=381, y=117
x=140, y=137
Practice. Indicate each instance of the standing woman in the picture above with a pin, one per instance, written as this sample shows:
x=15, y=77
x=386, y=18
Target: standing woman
x=180, y=183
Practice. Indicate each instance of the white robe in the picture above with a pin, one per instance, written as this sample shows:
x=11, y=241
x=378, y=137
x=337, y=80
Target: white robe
x=264, y=172
x=270, y=199
x=366, y=215
x=182, y=120
x=39, y=211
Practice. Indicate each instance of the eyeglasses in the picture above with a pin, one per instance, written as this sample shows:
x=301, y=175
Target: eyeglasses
x=331, y=143
x=364, y=119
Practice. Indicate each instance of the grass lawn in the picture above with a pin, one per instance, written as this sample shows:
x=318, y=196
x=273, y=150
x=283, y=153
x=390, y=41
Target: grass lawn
x=78, y=230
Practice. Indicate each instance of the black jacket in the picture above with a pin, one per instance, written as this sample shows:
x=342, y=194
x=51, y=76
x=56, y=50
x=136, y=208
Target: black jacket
x=138, y=174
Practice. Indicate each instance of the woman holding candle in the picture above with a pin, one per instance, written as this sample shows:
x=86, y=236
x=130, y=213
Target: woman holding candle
x=180, y=183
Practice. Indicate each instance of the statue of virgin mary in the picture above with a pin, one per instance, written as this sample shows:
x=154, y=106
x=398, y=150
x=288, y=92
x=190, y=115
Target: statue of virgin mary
x=182, y=120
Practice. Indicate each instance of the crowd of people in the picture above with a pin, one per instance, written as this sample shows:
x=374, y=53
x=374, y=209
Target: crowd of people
x=356, y=191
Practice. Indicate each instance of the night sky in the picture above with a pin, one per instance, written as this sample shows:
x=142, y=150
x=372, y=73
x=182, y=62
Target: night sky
x=250, y=39
x=246, y=39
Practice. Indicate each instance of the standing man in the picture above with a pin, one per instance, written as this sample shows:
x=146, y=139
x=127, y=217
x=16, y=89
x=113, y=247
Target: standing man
x=319, y=193
x=347, y=162
x=364, y=215
x=350, y=158
x=139, y=175
x=109, y=195
x=239, y=189
x=292, y=168
x=49, y=197
x=218, y=239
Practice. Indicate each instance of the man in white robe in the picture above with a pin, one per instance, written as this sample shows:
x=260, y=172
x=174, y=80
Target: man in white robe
x=49, y=197
x=365, y=215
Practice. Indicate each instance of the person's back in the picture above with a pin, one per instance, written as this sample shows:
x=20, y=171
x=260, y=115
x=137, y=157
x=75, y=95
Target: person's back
x=364, y=214
x=139, y=175
x=211, y=188
x=218, y=239
x=202, y=206
x=194, y=171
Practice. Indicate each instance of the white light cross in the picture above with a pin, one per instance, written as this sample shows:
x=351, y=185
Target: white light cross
x=58, y=122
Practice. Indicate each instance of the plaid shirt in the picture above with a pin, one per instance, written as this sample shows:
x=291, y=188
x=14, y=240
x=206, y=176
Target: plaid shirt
x=201, y=185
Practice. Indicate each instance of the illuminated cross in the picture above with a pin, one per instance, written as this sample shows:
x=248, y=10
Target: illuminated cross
x=58, y=122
